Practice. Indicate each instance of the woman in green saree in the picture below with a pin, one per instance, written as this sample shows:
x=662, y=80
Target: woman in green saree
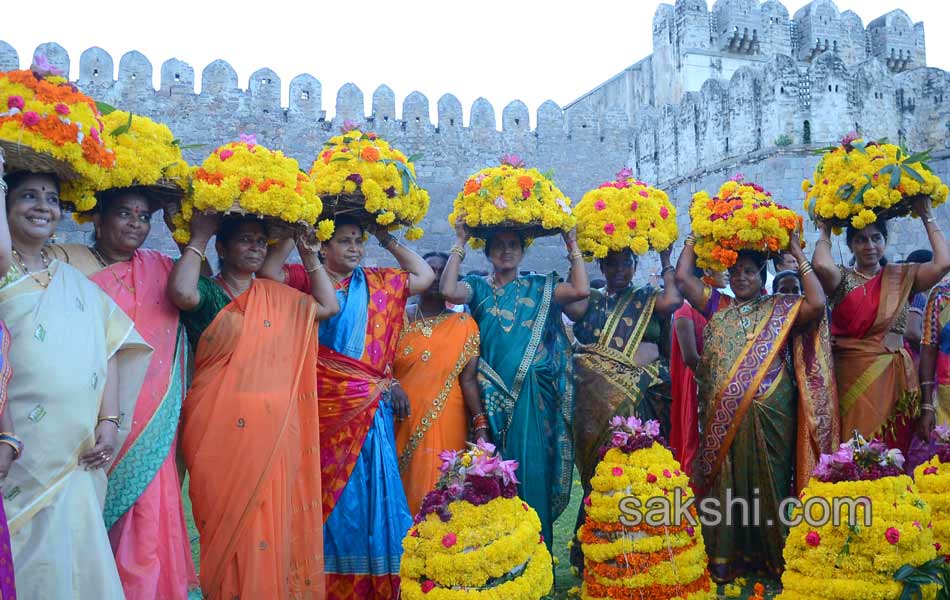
x=764, y=423
x=621, y=361
x=524, y=372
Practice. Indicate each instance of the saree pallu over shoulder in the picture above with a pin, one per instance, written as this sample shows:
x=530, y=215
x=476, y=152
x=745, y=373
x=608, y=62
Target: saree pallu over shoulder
x=73, y=329
x=877, y=380
x=254, y=397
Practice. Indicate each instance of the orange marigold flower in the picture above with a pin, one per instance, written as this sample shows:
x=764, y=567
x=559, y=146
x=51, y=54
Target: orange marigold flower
x=472, y=187
x=327, y=155
x=246, y=183
x=525, y=182
x=370, y=154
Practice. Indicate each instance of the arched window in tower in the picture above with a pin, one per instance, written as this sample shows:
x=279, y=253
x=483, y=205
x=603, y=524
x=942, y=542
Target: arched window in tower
x=806, y=132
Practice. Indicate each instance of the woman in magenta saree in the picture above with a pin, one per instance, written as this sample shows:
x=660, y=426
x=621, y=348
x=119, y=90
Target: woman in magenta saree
x=877, y=380
x=364, y=505
x=767, y=414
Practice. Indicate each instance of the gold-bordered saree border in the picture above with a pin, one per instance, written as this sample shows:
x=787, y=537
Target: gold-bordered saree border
x=733, y=400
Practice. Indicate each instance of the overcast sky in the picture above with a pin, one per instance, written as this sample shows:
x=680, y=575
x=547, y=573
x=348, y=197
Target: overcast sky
x=531, y=50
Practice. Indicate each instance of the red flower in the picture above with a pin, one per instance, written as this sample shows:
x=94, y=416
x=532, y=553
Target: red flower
x=30, y=118
x=664, y=212
x=16, y=102
x=633, y=205
x=449, y=539
x=937, y=546
x=600, y=205
x=609, y=228
x=414, y=533
x=892, y=535
x=587, y=501
x=427, y=586
x=617, y=471
x=632, y=223
x=667, y=474
x=651, y=478
x=524, y=505
x=930, y=471
x=813, y=539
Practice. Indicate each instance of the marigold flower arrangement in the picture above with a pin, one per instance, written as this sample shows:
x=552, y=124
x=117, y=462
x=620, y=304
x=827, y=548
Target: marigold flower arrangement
x=245, y=177
x=362, y=167
x=511, y=196
x=625, y=213
x=844, y=558
x=634, y=556
x=48, y=125
x=473, y=537
x=859, y=181
x=147, y=154
x=933, y=481
x=741, y=216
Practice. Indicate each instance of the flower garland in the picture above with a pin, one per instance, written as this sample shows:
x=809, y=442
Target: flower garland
x=473, y=538
x=511, y=195
x=844, y=558
x=625, y=213
x=643, y=560
x=933, y=481
x=146, y=152
x=41, y=110
x=358, y=162
x=858, y=181
x=741, y=216
x=247, y=177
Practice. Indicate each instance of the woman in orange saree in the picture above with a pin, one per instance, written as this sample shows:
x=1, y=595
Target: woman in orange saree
x=364, y=505
x=765, y=423
x=143, y=509
x=877, y=380
x=437, y=365
x=250, y=431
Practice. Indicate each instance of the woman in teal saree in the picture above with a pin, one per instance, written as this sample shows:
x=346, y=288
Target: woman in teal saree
x=524, y=372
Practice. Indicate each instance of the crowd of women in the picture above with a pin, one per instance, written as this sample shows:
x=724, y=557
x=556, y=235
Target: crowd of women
x=309, y=402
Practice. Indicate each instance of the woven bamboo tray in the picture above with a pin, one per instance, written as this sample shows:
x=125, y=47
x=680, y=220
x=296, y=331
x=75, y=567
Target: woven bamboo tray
x=901, y=209
x=353, y=205
x=527, y=230
x=20, y=157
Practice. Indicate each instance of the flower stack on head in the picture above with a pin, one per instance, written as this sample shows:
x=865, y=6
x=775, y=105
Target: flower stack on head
x=360, y=173
x=247, y=178
x=860, y=181
x=511, y=196
x=625, y=213
x=933, y=481
x=473, y=537
x=861, y=520
x=636, y=549
x=741, y=216
x=48, y=126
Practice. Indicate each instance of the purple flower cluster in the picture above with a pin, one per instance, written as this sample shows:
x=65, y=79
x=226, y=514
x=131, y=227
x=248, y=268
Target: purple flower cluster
x=941, y=439
x=629, y=434
x=476, y=475
x=859, y=460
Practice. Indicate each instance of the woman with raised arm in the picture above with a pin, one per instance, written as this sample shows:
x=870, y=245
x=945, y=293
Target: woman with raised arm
x=143, y=510
x=877, y=379
x=621, y=362
x=525, y=371
x=72, y=423
x=436, y=364
x=756, y=414
x=250, y=430
x=364, y=504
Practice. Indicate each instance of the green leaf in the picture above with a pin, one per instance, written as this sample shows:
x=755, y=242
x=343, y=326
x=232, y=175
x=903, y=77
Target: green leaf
x=340, y=159
x=927, y=168
x=549, y=174
x=913, y=174
x=192, y=146
x=121, y=129
x=105, y=109
x=414, y=157
x=844, y=192
x=895, y=177
x=915, y=158
x=860, y=146
x=405, y=182
x=860, y=195
x=347, y=140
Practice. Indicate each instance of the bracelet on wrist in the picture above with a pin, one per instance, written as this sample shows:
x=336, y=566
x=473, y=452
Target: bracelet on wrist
x=11, y=439
x=690, y=240
x=112, y=419
x=318, y=267
x=200, y=254
x=667, y=269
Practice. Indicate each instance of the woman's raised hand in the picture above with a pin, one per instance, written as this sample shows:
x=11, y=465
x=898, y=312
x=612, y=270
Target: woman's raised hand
x=204, y=224
x=461, y=230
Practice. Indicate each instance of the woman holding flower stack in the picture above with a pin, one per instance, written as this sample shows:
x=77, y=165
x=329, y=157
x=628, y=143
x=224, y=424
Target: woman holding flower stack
x=143, y=505
x=524, y=371
x=762, y=419
x=254, y=395
x=877, y=379
x=621, y=363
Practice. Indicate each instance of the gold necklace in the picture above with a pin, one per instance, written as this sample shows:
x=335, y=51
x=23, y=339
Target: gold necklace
x=426, y=328
x=862, y=275
x=26, y=271
x=744, y=308
x=497, y=311
x=108, y=267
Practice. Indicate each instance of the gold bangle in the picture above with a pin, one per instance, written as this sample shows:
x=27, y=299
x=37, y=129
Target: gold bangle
x=458, y=251
x=16, y=449
x=690, y=240
x=932, y=219
x=314, y=270
x=925, y=407
x=827, y=241
x=200, y=254
x=575, y=255
x=922, y=384
x=116, y=420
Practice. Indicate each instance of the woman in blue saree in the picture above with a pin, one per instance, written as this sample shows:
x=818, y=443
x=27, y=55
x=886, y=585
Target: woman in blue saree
x=524, y=372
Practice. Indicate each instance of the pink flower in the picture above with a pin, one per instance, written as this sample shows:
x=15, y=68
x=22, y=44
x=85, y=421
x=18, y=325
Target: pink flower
x=930, y=471
x=664, y=213
x=892, y=535
x=690, y=530
x=16, y=102
x=524, y=505
x=617, y=471
x=621, y=185
x=427, y=586
x=609, y=228
x=632, y=223
x=676, y=472
x=508, y=469
x=651, y=478
x=813, y=539
x=625, y=173
x=43, y=67
x=645, y=193
x=250, y=139
x=667, y=474
x=600, y=205
x=512, y=160
x=449, y=539
x=226, y=154
x=587, y=501
x=62, y=109
x=94, y=133
x=500, y=203
x=486, y=447
x=414, y=533
x=918, y=525
x=633, y=206
x=937, y=546
x=349, y=125
x=30, y=118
